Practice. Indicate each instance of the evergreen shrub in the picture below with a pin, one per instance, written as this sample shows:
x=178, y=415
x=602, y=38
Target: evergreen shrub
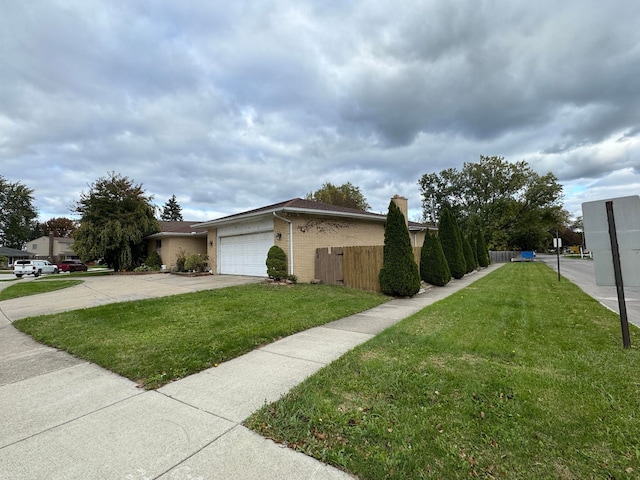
x=451, y=240
x=483, y=253
x=433, y=264
x=469, y=257
x=399, y=275
x=276, y=263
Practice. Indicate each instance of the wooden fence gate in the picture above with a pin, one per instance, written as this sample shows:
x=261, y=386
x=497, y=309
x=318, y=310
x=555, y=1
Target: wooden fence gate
x=328, y=266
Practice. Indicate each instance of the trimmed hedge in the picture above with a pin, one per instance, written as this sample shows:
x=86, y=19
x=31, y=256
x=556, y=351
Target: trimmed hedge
x=276, y=263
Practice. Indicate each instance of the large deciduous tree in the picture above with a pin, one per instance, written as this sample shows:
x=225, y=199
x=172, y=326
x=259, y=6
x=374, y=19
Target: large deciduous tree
x=172, y=211
x=512, y=205
x=18, y=216
x=59, y=226
x=345, y=195
x=399, y=275
x=115, y=216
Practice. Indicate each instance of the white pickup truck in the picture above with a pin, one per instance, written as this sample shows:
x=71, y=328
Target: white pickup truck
x=33, y=267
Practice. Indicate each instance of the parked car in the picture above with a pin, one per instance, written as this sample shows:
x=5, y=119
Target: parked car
x=33, y=267
x=72, y=266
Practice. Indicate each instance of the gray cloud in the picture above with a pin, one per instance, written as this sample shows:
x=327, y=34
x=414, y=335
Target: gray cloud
x=231, y=106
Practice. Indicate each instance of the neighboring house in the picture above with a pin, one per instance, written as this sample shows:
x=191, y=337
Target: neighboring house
x=12, y=254
x=48, y=247
x=176, y=238
x=238, y=244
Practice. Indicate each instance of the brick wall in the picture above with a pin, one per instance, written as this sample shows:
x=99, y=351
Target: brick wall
x=311, y=233
x=170, y=247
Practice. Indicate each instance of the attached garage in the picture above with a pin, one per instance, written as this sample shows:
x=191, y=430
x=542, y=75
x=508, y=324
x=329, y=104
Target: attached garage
x=242, y=249
x=245, y=254
x=239, y=243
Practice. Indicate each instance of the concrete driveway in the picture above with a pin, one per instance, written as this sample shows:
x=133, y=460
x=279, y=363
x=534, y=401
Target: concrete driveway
x=100, y=290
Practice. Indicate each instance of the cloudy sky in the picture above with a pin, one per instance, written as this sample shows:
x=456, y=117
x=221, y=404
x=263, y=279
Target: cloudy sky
x=233, y=105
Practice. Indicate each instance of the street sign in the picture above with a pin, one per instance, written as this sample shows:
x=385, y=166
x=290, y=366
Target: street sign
x=596, y=231
x=619, y=255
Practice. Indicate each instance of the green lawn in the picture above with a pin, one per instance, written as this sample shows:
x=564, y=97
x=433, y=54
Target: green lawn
x=158, y=340
x=92, y=272
x=516, y=376
x=35, y=287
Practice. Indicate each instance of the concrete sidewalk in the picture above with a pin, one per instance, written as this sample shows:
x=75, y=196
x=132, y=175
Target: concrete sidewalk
x=65, y=418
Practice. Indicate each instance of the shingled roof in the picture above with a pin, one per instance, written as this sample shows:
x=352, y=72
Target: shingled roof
x=301, y=205
x=178, y=229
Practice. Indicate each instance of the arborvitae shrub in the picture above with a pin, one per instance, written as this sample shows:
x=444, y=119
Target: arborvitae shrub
x=469, y=258
x=433, y=264
x=451, y=241
x=276, y=263
x=474, y=249
x=483, y=254
x=399, y=275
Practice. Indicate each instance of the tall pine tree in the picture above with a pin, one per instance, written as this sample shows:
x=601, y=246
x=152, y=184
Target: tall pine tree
x=171, y=212
x=399, y=275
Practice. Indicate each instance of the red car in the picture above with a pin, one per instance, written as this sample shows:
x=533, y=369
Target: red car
x=72, y=266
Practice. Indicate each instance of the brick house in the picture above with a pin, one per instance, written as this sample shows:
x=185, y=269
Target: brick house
x=175, y=238
x=238, y=244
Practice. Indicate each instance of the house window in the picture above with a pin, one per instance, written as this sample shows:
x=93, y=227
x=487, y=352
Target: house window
x=158, y=244
x=34, y=246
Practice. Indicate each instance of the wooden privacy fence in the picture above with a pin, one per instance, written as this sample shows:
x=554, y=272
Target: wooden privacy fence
x=355, y=267
x=503, y=256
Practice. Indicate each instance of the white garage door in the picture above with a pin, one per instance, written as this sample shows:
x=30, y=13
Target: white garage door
x=245, y=254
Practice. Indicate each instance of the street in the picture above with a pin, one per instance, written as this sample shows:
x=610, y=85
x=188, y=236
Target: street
x=582, y=273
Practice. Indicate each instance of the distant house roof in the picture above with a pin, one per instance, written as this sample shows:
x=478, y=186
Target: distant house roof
x=13, y=252
x=179, y=229
x=309, y=207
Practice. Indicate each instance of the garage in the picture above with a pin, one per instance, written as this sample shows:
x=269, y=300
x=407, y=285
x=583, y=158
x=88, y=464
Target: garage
x=245, y=254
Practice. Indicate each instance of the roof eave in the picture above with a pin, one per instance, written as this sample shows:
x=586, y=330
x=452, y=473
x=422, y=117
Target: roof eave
x=175, y=234
x=306, y=211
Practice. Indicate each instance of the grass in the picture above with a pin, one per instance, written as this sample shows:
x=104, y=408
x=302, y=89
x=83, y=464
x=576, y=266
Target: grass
x=89, y=273
x=516, y=376
x=35, y=287
x=158, y=340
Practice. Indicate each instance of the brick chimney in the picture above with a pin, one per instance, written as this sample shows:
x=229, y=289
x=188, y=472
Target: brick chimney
x=403, y=205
